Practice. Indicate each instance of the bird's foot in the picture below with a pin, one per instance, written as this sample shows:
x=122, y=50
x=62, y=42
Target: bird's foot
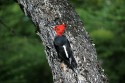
x=63, y=66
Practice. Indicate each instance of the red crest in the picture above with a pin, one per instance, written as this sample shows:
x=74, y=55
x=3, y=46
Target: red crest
x=60, y=29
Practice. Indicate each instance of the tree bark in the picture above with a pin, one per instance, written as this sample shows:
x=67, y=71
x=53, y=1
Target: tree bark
x=43, y=14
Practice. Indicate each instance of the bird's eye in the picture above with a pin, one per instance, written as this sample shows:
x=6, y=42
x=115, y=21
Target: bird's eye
x=57, y=29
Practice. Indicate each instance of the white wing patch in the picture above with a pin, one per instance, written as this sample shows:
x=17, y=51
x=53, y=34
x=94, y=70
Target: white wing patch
x=65, y=51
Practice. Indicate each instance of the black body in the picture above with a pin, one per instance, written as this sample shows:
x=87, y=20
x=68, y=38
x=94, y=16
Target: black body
x=63, y=47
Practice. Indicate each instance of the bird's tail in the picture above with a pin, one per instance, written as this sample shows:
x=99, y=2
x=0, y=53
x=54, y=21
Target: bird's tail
x=73, y=64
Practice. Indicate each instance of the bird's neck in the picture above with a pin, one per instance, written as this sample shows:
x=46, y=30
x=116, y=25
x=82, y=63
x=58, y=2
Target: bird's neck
x=59, y=35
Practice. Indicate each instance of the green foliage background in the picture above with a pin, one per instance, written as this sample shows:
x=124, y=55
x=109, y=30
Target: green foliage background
x=22, y=57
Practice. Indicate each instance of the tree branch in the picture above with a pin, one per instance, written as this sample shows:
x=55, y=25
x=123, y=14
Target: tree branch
x=43, y=13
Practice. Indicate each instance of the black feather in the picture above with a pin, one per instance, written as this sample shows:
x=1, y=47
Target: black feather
x=59, y=41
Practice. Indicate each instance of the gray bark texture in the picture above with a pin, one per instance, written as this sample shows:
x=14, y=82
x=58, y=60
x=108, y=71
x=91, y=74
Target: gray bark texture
x=43, y=14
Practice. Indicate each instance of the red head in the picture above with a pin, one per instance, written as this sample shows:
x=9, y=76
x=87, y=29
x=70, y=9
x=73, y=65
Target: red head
x=60, y=29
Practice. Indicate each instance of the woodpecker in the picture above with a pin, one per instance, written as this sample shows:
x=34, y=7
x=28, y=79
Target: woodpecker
x=63, y=47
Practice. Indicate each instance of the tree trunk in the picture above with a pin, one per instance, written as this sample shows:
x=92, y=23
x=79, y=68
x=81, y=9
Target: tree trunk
x=44, y=14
